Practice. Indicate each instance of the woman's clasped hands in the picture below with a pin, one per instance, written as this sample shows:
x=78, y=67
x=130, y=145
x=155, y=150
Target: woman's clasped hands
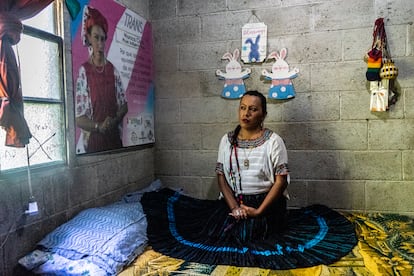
x=243, y=212
x=108, y=124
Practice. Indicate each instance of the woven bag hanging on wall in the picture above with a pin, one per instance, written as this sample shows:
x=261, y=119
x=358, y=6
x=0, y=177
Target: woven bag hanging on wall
x=381, y=71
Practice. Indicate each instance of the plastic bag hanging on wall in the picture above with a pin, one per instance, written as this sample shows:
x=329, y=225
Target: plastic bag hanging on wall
x=254, y=39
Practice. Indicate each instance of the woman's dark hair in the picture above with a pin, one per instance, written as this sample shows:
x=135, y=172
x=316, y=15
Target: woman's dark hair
x=264, y=110
x=261, y=97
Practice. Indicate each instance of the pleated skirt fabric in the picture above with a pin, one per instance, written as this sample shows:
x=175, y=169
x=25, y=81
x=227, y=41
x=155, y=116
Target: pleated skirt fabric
x=202, y=231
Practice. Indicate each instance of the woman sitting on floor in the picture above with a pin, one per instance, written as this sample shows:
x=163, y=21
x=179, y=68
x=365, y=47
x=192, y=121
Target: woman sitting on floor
x=249, y=224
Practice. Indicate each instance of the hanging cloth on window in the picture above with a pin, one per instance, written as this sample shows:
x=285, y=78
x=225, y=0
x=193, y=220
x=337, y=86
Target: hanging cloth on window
x=11, y=107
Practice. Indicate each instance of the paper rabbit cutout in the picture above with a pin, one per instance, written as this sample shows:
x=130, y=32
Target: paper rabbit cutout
x=281, y=87
x=233, y=77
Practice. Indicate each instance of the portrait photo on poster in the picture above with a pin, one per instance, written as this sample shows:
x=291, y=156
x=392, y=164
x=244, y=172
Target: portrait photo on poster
x=114, y=93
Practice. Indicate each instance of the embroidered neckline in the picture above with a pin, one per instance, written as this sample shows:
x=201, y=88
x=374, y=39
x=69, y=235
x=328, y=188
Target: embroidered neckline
x=253, y=142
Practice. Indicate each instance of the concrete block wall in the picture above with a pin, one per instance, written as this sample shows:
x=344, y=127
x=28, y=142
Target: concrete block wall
x=340, y=153
x=63, y=191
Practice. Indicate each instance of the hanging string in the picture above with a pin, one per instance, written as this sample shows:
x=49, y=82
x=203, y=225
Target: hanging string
x=380, y=38
x=28, y=156
x=253, y=18
x=379, y=32
x=238, y=191
x=29, y=176
x=41, y=146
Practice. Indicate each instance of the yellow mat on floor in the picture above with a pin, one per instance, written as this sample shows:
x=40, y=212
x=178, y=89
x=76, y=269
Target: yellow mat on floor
x=385, y=247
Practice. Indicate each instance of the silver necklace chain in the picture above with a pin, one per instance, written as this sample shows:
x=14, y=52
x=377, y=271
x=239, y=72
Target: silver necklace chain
x=246, y=161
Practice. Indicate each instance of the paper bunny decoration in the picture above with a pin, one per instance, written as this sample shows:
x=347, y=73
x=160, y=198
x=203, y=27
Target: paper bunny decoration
x=281, y=87
x=254, y=54
x=233, y=77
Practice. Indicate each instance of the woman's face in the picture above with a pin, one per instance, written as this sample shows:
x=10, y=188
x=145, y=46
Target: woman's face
x=97, y=38
x=250, y=112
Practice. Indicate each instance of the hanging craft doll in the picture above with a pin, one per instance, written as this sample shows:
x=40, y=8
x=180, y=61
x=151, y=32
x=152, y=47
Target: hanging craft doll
x=381, y=70
x=233, y=77
x=281, y=87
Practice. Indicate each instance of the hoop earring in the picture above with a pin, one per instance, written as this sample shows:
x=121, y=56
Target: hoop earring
x=90, y=51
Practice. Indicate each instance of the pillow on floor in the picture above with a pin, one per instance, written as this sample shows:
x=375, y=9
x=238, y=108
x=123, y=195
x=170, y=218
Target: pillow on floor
x=108, y=237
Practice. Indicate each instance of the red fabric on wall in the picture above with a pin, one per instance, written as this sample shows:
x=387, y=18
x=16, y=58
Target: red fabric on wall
x=11, y=106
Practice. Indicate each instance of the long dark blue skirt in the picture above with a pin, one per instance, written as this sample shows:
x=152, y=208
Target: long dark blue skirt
x=202, y=231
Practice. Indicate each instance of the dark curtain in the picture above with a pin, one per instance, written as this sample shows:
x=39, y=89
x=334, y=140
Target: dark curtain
x=12, y=12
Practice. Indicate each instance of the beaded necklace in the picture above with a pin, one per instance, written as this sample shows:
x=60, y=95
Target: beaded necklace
x=96, y=66
x=239, y=196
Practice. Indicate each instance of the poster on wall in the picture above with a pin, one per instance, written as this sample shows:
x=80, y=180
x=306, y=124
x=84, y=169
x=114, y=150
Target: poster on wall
x=112, y=75
x=254, y=42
